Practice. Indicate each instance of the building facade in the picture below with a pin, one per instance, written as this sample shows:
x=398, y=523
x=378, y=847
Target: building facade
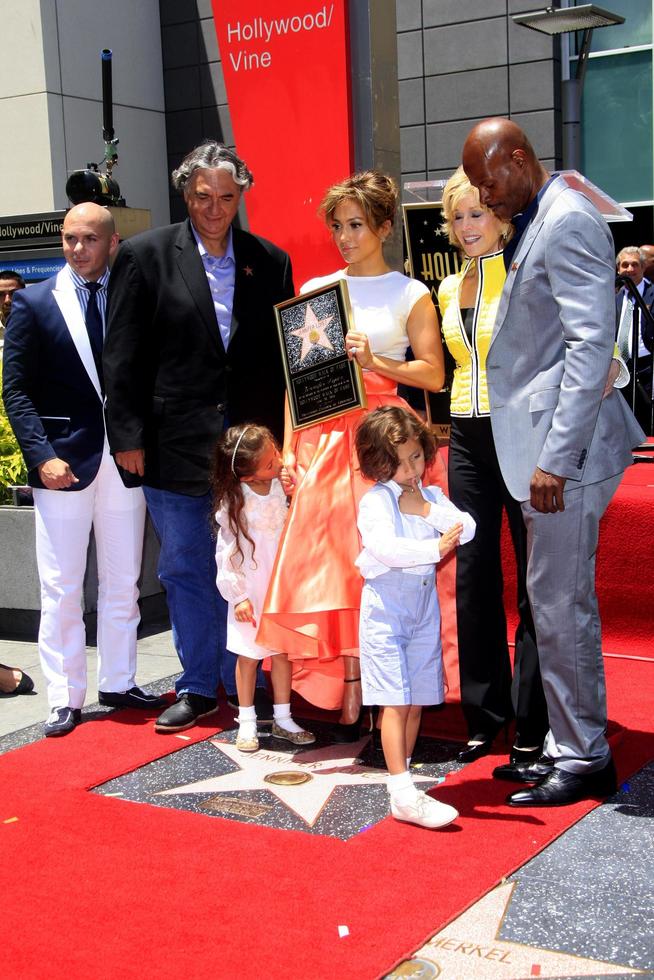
x=457, y=62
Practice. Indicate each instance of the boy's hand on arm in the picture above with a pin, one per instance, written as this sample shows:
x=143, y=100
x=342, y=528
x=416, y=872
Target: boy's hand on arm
x=413, y=502
x=449, y=540
x=244, y=612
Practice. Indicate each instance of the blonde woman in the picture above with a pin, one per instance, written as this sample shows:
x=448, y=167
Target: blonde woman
x=491, y=694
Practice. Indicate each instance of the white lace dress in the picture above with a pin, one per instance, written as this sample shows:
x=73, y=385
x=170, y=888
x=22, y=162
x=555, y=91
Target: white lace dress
x=248, y=578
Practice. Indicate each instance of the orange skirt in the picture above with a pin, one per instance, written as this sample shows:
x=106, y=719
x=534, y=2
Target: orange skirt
x=311, y=611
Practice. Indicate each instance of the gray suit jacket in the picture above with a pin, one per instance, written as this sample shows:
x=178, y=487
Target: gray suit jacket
x=551, y=350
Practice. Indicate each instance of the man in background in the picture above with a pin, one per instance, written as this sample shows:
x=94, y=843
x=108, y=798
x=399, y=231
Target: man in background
x=10, y=281
x=632, y=263
x=648, y=252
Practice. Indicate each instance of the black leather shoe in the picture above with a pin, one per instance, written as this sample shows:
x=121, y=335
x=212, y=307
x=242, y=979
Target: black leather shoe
x=25, y=684
x=61, y=721
x=518, y=754
x=472, y=752
x=134, y=698
x=344, y=734
x=525, y=772
x=560, y=788
x=184, y=713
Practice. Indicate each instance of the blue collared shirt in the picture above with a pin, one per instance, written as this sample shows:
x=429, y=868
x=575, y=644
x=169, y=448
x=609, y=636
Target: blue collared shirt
x=520, y=222
x=221, y=276
x=83, y=293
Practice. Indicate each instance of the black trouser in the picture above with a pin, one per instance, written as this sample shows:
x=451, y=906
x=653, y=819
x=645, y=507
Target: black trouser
x=643, y=406
x=490, y=698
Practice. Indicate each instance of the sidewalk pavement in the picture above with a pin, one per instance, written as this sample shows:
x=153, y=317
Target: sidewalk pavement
x=156, y=659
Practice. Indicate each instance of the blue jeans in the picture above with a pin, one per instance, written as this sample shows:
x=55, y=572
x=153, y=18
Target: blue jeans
x=187, y=571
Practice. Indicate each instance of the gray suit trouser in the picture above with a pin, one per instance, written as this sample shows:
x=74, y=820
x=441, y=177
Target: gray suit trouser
x=561, y=551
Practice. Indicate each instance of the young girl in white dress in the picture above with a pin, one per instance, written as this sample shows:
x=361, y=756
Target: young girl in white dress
x=250, y=511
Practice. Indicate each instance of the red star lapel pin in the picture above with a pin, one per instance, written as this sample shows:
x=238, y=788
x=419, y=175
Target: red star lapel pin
x=514, y=267
x=248, y=270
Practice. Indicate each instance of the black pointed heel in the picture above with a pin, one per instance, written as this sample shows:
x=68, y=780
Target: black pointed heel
x=342, y=733
x=472, y=752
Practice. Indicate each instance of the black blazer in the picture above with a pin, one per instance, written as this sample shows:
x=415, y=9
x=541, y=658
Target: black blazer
x=169, y=381
x=51, y=389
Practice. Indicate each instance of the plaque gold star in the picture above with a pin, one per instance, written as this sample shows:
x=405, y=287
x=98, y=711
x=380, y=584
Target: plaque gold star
x=307, y=799
x=313, y=332
x=469, y=947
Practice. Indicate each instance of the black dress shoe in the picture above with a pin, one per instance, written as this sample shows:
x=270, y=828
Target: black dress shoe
x=560, y=788
x=518, y=754
x=342, y=734
x=472, y=751
x=184, y=713
x=61, y=721
x=525, y=772
x=25, y=684
x=134, y=698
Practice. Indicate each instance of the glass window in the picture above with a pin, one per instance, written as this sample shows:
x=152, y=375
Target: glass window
x=617, y=125
x=637, y=28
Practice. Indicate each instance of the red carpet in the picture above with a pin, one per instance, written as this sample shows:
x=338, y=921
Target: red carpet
x=100, y=887
x=625, y=568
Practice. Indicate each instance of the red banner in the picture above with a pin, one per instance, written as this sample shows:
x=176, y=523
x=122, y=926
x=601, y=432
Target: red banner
x=287, y=80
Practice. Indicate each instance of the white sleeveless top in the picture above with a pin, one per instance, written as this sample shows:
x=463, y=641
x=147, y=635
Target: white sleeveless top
x=380, y=305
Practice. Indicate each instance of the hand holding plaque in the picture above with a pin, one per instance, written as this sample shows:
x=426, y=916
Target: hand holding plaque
x=323, y=379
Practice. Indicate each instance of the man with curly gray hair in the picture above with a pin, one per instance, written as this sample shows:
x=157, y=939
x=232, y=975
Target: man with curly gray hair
x=192, y=348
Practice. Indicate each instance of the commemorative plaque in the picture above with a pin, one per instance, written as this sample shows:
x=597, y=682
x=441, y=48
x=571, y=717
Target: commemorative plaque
x=321, y=380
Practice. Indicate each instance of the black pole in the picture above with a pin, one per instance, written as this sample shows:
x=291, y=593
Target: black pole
x=107, y=97
x=639, y=306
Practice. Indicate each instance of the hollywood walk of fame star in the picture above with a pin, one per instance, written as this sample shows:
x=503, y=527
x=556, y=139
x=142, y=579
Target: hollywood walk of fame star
x=313, y=332
x=469, y=947
x=308, y=799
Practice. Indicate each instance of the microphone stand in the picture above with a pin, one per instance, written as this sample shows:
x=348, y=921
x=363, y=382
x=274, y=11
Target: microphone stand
x=639, y=307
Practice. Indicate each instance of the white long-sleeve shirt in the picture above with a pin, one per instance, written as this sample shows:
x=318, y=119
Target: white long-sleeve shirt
x=416, y=551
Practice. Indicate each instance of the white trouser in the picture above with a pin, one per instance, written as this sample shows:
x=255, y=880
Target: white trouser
x=63, y=528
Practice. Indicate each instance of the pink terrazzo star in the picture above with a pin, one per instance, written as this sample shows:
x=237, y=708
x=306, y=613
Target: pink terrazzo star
x=313, y=332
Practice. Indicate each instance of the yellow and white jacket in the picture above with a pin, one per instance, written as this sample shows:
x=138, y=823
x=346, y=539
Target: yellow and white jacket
x=469, y=389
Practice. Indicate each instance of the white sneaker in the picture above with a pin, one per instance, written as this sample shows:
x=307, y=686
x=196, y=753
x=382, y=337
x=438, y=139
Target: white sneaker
x=424, y=811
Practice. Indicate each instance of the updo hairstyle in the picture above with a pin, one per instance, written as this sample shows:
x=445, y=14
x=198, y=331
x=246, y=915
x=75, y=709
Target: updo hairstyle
x=374, y=192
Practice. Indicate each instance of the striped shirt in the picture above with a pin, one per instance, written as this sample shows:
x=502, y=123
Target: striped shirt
x=83, y=293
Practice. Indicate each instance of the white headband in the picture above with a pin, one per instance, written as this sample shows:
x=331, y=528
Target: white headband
x=238, y=443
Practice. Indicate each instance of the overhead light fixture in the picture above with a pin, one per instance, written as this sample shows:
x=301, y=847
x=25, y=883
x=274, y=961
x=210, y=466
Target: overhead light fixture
x=554, y=21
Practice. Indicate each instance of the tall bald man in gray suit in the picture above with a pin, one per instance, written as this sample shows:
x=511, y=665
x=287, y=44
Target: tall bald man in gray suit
x=563, y=438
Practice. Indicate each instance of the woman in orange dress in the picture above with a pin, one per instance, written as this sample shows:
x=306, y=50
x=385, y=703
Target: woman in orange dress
x=312, y=608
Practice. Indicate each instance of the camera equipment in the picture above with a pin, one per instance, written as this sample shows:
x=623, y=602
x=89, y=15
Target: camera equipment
x=92, y=184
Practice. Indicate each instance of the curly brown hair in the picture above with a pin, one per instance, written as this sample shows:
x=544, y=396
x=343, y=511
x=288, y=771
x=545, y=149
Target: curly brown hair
x=235, y=455
x=379, y=435
x=374, y=192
